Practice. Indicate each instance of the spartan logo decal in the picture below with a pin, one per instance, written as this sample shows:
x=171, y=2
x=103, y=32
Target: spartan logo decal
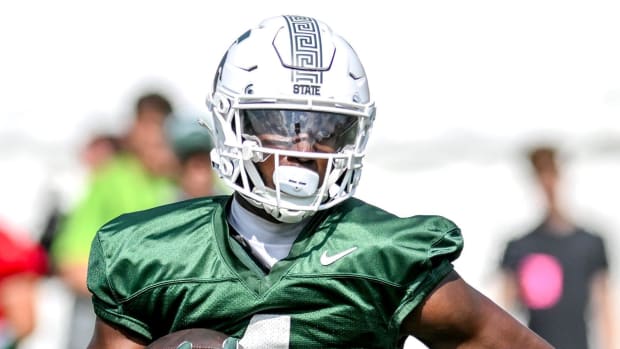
x=307, y=53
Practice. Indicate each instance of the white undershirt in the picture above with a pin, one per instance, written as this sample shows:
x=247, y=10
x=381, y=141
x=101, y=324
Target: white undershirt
x=269, y=241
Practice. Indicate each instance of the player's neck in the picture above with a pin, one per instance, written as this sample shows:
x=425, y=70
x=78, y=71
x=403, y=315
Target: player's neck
x=269, y=242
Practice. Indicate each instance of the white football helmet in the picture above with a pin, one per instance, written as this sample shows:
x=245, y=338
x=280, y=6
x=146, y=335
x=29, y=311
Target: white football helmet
x=290, y=78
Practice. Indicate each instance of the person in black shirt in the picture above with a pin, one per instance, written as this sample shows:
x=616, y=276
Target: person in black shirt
x=558, y=269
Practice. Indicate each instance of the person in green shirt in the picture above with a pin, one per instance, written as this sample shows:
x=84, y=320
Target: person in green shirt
x=291, y=259
x=139, y=177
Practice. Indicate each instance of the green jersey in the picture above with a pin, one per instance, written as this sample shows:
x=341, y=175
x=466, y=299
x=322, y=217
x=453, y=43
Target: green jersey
x=351, y=277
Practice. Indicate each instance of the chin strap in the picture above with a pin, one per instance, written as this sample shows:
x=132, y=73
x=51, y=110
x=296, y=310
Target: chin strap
x=281, y=214
x=287, y=216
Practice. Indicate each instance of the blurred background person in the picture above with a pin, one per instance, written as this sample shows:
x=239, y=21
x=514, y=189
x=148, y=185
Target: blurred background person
x=22, y=263
x=139, y=176
x=558, y=272
x=96, y=152
x=192, y=145
x=99, y=150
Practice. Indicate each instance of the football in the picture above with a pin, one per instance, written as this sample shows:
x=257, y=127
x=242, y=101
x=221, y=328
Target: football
x=192, y=338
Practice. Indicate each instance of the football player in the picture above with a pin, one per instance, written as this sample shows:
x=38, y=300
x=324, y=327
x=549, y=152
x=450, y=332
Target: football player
x=291, y=259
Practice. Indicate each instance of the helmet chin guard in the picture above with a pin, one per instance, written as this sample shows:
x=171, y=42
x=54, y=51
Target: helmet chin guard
x=289, y=80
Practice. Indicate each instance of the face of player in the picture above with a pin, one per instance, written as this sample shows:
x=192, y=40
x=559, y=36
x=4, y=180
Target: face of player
x=267, y=167
x=300, y=131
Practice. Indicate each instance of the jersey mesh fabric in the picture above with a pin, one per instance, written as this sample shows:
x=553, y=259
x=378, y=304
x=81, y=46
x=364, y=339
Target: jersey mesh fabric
x=175, y=267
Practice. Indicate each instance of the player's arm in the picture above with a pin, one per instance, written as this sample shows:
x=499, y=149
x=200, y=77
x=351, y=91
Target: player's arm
x=107, y=336
x=455, y=315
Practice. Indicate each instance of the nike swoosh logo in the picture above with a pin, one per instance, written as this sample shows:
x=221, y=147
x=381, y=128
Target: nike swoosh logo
x=327, y=260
